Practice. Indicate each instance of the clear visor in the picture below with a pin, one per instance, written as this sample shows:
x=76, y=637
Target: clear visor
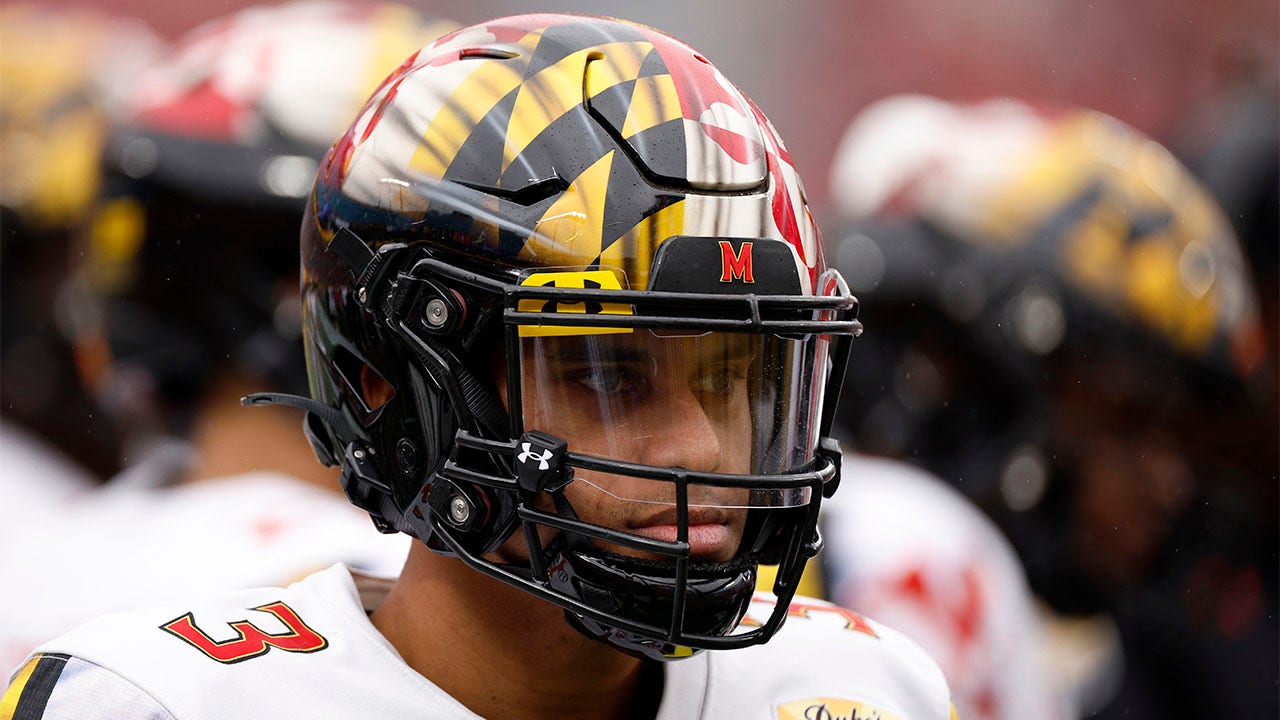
x=733, y=404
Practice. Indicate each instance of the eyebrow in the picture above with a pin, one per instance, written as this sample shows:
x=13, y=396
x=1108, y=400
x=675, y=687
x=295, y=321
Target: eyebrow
x=580, y=352
x=744, y=348
x=584, y=352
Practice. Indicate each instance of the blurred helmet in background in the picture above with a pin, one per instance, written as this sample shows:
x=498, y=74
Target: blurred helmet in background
x=63, y=76
x=1060, y=322
x=187, y=261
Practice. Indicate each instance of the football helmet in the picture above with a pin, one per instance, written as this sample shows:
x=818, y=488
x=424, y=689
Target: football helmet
x=1005, y=252
x=209, y=167
x=567, y=319
x=63, y=74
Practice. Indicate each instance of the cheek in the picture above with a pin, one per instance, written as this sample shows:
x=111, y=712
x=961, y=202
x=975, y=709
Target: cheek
x=735, y=439
x=597, y=505
x=588, y=431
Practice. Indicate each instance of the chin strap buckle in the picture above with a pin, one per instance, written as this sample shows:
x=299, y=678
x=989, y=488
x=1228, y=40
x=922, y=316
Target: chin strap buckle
x=540, y=463
x=362, y=482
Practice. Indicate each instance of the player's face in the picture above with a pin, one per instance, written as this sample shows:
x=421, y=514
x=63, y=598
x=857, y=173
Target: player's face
x=642, y=397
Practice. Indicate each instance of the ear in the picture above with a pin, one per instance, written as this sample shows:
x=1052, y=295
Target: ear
x=375, y=388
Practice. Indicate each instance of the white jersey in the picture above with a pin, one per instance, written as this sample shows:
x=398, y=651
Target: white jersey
x=310, y=650
x=71, y=555
x=904, y=547
x=33, y=472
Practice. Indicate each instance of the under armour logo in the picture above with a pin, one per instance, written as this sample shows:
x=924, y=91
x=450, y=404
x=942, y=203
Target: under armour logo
x=528, y=454
x=539, y=468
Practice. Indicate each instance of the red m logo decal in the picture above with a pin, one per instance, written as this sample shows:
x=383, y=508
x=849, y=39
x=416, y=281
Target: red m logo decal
x=735, y=265
x=252, y=641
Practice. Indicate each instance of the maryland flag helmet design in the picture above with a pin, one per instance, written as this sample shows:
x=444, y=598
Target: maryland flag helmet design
x=567, y=318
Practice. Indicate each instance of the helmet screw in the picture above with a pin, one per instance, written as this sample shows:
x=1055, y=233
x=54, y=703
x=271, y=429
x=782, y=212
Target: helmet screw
x=437, y=313
x=459, y=510
x=363, y=295
x=359, y=454
x=407, y=455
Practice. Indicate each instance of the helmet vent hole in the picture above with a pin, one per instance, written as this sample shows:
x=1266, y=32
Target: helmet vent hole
x=487, y=53
x=528, y=195
x=361, y=382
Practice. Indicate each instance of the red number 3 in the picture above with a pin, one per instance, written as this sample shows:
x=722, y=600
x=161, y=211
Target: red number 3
x=252, y=641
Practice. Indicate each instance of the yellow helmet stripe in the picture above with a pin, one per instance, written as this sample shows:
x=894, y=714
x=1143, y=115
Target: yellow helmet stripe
x=558, y=88
x=470, y=101
x=570, y=231
x=638, y=243
x=621, y=64
x=654, y=101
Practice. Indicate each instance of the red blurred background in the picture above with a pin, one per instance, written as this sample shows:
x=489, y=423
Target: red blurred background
x=812, y=65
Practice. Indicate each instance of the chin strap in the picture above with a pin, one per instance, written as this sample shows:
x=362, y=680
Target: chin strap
x=360, y=478
x=322, y=424
x=328, y=414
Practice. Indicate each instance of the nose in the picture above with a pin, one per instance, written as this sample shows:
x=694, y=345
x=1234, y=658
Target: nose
x=683, y=436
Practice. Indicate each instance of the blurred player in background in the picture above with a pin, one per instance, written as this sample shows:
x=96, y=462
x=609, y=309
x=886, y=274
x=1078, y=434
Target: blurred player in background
x=904, y=547
x=1065, y=330
x=63, y=75
x=1231, y=141
x=184, y=300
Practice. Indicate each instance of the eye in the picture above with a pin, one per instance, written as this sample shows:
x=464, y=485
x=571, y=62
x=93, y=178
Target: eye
x=604, y=381
x=718, y=382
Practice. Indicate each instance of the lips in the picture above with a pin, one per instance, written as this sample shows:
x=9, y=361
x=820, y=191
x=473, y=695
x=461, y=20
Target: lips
x=709, y=534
